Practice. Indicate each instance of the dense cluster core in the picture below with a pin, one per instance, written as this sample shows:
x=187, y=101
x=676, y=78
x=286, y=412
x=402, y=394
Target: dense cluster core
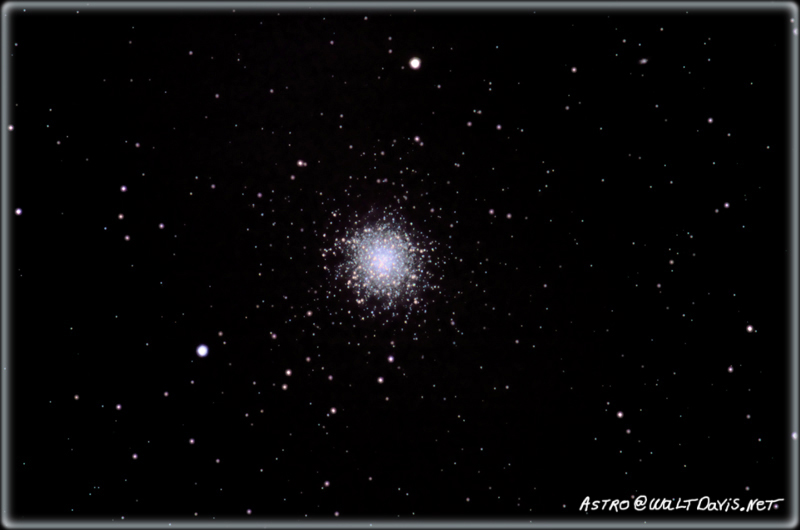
x=384, y=263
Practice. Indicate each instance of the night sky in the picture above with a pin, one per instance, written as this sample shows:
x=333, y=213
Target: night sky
x=267, y=265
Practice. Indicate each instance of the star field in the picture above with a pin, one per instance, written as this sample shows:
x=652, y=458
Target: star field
x=391, y=266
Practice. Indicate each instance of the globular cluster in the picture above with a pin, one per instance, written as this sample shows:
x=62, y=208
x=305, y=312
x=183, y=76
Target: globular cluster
x=397, y=265
x=383, y=264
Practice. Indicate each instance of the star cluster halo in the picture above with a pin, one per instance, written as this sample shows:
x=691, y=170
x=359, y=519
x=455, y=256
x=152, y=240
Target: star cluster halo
x=383, y=264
